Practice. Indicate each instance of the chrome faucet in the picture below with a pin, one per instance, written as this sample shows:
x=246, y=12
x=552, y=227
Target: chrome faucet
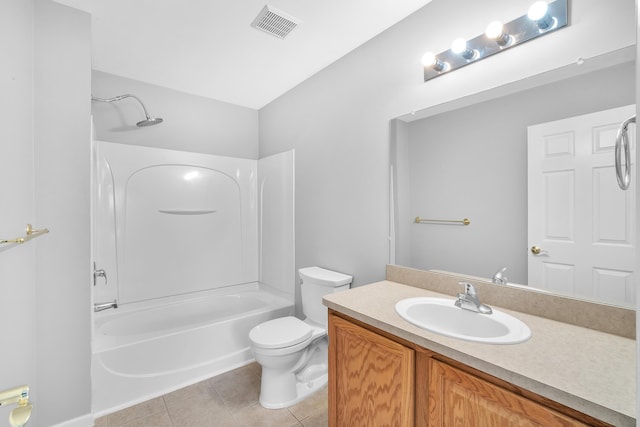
x=499, y=278
x=104, y=306
x=469, y=300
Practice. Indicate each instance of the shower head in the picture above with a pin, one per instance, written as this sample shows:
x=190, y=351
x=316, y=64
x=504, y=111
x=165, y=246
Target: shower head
x=149, y=121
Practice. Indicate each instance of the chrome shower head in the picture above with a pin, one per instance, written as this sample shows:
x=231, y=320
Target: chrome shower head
x=149, y=121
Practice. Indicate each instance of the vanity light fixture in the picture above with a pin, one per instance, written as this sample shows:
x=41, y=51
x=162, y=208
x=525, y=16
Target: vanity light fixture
x=542, y=18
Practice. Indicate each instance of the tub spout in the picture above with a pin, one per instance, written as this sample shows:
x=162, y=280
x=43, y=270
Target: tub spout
x=104, y=306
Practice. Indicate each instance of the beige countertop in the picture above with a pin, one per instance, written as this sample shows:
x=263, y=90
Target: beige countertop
x=591, y=371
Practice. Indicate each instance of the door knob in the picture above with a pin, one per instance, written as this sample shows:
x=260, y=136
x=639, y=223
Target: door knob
x=537, y=250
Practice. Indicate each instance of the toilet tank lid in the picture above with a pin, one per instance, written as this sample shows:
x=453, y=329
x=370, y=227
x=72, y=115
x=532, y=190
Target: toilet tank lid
x=324, y=277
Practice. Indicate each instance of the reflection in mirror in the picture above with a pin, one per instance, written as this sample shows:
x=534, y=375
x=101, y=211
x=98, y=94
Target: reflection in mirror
x=452, y=162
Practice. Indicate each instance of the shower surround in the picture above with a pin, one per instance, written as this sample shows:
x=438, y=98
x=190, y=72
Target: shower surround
x=197, y=250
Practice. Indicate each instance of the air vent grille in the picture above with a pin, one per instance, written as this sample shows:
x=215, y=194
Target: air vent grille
x=274, y=22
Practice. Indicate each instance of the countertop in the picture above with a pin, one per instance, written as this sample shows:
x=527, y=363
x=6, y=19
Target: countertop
x=590, y=371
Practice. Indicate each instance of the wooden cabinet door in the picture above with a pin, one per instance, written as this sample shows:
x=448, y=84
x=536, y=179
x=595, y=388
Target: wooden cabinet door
x=371, y=378
x=457, y=398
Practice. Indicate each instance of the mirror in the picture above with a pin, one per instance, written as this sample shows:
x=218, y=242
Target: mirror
x=468, y=159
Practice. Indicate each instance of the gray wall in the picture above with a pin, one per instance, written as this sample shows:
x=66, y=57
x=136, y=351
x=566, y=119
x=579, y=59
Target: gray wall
x=62, y=82
x=191, y=123
x=472, y=162
x=17, y=283
x=44, y=283
x=338, y=120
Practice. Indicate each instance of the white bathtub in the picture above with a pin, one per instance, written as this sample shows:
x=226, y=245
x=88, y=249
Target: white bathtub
x=147, y=349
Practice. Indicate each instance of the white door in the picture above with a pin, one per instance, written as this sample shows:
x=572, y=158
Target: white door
x=581, y=225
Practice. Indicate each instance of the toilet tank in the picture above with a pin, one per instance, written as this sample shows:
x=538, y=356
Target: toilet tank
x=317, y=282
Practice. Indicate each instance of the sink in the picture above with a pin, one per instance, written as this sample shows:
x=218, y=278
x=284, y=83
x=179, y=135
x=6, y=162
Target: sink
x=441, y=316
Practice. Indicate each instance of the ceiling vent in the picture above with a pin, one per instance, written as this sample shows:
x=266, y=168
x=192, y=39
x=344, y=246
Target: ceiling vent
x=274, y=22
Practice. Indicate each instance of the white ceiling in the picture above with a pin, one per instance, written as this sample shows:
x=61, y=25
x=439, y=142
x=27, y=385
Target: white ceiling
x=208, y=48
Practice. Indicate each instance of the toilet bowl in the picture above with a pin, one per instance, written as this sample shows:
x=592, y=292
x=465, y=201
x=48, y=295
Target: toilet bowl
x=293, y=353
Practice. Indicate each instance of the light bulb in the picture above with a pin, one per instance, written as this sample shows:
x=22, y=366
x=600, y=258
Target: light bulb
x=538, y=10
x=495, y=31
x=430, y=60
x=539, y=13
x=459, y=46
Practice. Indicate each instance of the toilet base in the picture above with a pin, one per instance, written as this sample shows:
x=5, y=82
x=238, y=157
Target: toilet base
x=303, y=390
x=281, y=389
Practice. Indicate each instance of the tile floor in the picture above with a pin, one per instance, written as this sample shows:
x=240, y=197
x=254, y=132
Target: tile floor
x=228, y=400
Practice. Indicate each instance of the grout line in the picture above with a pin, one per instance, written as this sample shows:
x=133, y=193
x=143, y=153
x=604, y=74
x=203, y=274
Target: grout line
x=294, y=416
x=166, y=408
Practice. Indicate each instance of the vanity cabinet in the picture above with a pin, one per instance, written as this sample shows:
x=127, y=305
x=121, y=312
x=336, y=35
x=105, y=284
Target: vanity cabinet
x=371, y=378
x=377, y=379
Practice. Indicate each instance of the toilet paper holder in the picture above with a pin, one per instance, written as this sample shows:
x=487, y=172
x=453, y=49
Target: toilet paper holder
x=20, y=396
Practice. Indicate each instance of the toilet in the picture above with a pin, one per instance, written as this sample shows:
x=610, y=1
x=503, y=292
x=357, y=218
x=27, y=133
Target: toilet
x=292, y=352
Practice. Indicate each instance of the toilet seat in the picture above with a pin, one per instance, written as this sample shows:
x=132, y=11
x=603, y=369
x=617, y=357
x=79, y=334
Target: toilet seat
x=280, y=333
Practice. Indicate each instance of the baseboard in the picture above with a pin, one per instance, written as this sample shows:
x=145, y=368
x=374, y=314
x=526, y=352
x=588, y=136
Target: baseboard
x=83, y=421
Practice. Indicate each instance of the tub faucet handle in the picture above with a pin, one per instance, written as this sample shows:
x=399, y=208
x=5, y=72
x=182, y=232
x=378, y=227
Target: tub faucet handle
x=98, y=273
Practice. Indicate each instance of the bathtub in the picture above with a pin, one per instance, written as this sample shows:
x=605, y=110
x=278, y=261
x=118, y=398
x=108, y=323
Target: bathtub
x=147, y=349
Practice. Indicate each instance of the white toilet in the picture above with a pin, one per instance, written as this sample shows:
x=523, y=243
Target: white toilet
x=292, y=352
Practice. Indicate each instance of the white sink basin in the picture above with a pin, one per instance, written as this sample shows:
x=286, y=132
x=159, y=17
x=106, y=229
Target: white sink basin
x=441, y=316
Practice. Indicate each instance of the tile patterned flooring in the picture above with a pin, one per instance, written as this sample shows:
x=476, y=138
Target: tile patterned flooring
x=228, y=400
